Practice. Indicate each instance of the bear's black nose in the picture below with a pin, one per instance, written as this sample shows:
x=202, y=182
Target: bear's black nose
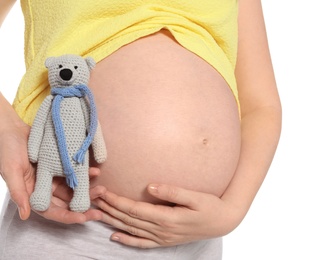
x=65, y=74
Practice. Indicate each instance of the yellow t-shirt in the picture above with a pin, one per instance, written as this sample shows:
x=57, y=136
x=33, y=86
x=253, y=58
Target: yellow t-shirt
x=97, y=28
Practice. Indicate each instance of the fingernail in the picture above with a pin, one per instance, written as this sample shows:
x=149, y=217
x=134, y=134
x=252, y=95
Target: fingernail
x=22, y=213
x=153, y=188
x=115, y=238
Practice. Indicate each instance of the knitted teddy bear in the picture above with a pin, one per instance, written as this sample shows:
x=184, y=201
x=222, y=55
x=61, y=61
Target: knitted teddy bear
x=63, y=129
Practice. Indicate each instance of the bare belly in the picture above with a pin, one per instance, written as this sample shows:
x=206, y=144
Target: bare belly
x=167, y=117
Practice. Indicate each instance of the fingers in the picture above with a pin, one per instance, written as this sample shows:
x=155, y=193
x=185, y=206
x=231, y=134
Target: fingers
x=62, y=195
x=59, y=208
x=140, y=233
x=122, y=209
x=94, y=172
x=63, y=216
x=175, y=195
x=59, y=212
x=19, y=193
x=21, y=199
x=62, y=191
x=132, y=226
x=134, y=241
x=134, y=209
x=137, y=218
x=148, y=225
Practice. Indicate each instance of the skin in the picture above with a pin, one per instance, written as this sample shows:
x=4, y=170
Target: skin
x=186, y=136
x=194, y=215
x=5, y=7
x=198, y=215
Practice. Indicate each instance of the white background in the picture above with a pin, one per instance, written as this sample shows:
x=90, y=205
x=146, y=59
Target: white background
x=282, y=221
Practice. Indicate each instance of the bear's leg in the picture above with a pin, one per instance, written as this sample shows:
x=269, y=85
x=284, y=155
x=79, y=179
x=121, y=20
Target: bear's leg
x=81, y=198
x=41, y=197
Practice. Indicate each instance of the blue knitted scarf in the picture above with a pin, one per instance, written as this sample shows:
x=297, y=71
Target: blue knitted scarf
x=59, y=94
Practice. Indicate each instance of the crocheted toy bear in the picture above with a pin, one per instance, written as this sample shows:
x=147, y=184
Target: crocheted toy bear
x=63, y=129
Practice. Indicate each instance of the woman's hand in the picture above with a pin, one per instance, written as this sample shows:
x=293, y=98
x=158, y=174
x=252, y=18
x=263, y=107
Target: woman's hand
x=19, y=175
x=61, y=197
x=15, y=168
x=194, y=216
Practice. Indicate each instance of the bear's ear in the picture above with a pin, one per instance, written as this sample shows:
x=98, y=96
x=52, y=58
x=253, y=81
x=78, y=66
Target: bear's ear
x=49, y=61
x=90, y=62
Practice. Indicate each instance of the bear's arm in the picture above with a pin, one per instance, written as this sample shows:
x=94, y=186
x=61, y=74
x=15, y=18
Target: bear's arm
x=98, y=144
x=37, y=129
x=85, y=111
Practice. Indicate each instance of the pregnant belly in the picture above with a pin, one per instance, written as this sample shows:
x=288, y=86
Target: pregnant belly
x=167, y=117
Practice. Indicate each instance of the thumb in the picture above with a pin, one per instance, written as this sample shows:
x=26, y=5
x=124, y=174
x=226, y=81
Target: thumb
x=21, y=199
x=19, y=195
x=174, y=194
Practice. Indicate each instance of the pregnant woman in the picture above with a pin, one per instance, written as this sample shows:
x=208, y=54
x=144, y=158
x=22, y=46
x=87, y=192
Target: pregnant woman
x=190, y=114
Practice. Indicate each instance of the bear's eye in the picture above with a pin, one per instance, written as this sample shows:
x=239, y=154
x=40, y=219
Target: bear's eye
x=76, y=67
x=60, y=66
